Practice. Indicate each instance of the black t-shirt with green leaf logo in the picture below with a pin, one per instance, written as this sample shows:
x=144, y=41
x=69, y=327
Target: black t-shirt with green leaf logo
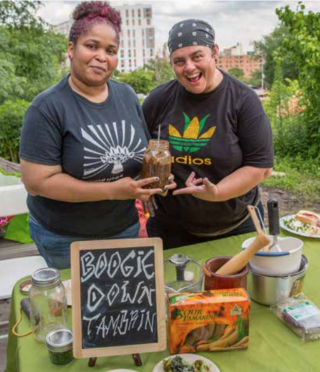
x=212, y=134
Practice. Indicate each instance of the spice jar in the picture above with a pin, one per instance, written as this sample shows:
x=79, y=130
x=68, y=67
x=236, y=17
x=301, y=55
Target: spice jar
x=157, y=163
x=59, y=345
x=48, y=302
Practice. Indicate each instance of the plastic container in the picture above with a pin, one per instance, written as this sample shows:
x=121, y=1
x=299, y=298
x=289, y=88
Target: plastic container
x=277, y=263
x=59, y=344
x=157, y=163
x=214, y=281
x=301, y=315
x=48, y=302
x=269, y=290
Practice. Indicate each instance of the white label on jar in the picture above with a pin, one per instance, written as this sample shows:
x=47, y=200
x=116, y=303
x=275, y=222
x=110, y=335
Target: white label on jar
x=302, y=311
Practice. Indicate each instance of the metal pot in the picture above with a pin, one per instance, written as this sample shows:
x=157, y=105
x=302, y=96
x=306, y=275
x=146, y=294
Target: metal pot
x=269, y=290
x=275, y=263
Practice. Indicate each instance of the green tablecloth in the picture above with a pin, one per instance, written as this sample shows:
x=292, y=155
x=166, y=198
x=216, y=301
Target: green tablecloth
x=273, y=346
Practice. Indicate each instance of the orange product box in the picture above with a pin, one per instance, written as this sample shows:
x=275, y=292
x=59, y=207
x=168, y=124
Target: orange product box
x=208, y=321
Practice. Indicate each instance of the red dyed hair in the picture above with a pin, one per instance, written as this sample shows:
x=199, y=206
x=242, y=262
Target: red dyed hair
x=88, y=13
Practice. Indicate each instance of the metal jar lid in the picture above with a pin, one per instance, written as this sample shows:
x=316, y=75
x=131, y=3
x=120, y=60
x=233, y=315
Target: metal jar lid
x=59, y=340
x=46, y=277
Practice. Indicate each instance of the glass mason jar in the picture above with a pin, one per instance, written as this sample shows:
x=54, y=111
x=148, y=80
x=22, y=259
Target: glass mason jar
x=157, y=163
x=59, y=345
x=48, y=302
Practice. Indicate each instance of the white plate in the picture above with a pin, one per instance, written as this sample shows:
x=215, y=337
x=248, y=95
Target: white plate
x=284, y=227
x=189, y=358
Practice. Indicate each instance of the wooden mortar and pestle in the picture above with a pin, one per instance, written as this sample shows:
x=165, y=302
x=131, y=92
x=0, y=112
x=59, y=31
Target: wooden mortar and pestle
x=231, y=270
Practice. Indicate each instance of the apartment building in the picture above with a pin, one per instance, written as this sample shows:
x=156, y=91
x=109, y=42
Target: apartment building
x=137, y=39
x=235, y=57
x=138, y=36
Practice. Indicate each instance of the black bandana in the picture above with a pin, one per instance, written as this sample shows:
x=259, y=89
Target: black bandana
x=190, y=32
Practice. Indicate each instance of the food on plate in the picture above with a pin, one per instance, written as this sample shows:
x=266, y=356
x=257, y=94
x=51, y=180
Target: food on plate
x=208, y=321
x=304, y=222
x=178, y=364
x=308, y=217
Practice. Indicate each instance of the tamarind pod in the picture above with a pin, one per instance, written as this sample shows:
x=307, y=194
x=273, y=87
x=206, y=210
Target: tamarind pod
x=228, y=341
x=227, y=333
x=242, y=346
x=203, y=347
x=244, y=340
x=202, y=342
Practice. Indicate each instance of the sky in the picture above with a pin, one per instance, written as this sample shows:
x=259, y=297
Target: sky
x=233, y=21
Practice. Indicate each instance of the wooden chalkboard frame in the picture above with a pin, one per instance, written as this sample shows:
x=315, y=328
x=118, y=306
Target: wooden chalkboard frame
x=76, y=248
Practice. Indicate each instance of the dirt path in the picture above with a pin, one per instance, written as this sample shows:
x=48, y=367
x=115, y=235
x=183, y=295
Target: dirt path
x=289, y=203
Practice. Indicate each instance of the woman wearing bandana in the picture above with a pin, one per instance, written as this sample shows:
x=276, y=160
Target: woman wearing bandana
x=220, y=142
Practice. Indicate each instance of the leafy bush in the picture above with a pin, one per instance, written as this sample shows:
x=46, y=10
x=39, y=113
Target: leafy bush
x=304, y=45
x=286, y=110
x=11, y=118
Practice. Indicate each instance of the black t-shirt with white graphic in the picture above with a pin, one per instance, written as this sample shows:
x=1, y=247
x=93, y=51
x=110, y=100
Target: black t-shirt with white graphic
x=95, y=142
x=212, y=134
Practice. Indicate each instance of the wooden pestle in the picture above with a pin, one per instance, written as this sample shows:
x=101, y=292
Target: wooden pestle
x=256, y=223
x=239, y=261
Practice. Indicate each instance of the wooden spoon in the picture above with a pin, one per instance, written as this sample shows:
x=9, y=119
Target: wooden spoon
x=256, y=223
x=239, y=261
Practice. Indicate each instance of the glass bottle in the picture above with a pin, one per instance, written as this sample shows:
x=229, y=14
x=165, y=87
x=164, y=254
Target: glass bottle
x=157, y=163
x=48, y=302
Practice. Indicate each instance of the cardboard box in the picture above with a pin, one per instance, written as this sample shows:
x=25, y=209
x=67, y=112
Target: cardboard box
x=208, y=321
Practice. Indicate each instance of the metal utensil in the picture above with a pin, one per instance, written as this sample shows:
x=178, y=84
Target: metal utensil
x=274, y=227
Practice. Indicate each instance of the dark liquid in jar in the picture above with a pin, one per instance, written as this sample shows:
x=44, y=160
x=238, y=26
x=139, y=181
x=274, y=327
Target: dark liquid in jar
x=157, y=163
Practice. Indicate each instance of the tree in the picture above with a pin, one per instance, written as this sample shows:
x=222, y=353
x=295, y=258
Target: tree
x=20, y=14
x=11, y=117
x=30, y=62
x=237, y=73
x=30, y=54
x=161, y=69
x=142, y=81
x=255, y=78
x=304, y=44
x=268, y=47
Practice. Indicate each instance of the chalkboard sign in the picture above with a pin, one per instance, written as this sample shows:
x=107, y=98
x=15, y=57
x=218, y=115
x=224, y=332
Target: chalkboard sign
x=118, y=297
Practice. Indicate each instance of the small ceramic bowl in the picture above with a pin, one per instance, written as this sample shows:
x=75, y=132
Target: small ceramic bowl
x=285, y=262
x=215, y=281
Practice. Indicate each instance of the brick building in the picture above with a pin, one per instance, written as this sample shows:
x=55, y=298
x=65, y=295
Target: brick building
x=235, y=57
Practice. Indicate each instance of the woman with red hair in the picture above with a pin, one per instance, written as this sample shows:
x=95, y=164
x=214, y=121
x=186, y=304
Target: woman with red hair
x=82, y=145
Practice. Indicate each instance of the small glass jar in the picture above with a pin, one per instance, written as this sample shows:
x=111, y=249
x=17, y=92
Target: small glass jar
x=59, y=345
x=157, y=163
x=48, y=302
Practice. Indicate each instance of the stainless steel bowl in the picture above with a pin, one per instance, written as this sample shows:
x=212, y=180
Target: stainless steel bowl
x=269, y=290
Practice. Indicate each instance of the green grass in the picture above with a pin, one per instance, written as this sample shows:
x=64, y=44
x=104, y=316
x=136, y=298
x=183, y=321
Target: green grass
x=301, y=178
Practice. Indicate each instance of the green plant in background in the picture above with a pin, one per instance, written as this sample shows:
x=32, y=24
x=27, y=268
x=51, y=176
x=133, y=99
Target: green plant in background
x=237, y=73
x=304, y=45
x=31, y=60
x=285, y=110
x=11, y=118
x=268, y=46
x=142, y=81
x=301, y=178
